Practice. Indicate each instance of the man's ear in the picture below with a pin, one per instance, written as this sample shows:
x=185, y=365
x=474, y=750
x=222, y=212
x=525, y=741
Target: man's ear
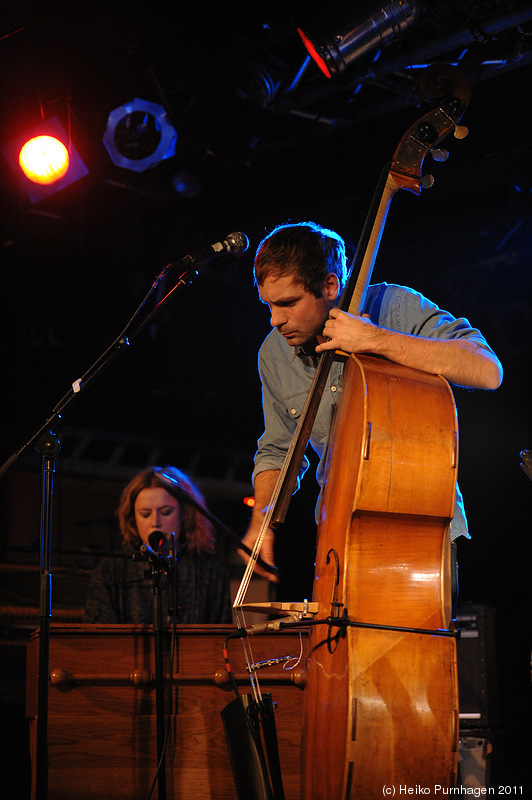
x=331, y=286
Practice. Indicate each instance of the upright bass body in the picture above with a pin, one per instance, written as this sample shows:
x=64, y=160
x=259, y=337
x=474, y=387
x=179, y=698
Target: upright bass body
x=381, y=702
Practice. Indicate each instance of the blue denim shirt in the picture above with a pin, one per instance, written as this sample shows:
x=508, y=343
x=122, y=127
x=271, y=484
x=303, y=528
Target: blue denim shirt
x=286, y=375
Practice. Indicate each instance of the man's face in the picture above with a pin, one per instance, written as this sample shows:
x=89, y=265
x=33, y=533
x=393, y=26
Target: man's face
x=296, y=313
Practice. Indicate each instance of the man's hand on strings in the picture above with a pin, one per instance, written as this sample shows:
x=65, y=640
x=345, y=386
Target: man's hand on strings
x=352, y=334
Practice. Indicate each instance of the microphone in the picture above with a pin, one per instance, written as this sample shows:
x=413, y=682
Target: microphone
x=235, y=243
x=155, y=540
x=150, y=552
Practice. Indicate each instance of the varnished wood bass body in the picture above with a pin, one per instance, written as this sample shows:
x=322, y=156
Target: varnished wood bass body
x=381, y=705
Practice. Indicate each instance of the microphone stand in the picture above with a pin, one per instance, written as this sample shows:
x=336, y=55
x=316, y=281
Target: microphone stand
x=48, y=444
x=158, y=565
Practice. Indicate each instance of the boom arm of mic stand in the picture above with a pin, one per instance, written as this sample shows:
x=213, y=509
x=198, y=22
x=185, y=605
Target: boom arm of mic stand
x=218, y=524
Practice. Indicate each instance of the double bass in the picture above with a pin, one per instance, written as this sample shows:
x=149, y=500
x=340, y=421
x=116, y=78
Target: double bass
x=381, y=693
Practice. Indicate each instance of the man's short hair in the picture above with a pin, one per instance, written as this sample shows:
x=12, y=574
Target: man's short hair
x=305, y=251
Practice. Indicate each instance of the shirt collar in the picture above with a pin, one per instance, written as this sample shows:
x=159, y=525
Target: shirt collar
x=307, y=354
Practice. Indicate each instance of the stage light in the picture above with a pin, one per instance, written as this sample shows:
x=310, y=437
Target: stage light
x=44, y=160
x=335, y=50
x=139, y=135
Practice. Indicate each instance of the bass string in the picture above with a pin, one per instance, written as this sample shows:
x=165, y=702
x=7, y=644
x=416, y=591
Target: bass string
x=239, y=611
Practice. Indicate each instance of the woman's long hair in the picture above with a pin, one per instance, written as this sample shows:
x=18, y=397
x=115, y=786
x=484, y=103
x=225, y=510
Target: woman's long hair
x=196, y=534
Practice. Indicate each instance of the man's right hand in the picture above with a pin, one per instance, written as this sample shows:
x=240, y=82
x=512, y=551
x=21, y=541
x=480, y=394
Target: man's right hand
x=265, y=483
x=266, y=551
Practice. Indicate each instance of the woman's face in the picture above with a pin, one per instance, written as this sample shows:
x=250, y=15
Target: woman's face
x=157, y=510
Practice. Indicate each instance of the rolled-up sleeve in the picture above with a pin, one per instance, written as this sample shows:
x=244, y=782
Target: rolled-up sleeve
x=403, y=309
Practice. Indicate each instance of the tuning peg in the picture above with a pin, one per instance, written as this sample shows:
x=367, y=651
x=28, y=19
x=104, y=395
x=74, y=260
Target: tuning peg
x=439, y=155
x=427, y=181
x=460, y=132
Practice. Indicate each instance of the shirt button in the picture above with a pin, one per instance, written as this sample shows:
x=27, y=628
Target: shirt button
x=333, y=388
x=293, y=411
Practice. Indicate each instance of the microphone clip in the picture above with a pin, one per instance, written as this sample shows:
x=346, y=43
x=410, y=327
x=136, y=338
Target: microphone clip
x=158, y=562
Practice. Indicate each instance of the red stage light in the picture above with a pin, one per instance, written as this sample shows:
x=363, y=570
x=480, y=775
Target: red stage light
x=52, y=172
x=44, y=159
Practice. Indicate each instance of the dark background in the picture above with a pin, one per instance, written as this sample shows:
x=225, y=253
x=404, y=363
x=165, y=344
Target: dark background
x=76, y=265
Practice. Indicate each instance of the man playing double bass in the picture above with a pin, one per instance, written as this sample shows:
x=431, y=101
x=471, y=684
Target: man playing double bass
x=300, y=272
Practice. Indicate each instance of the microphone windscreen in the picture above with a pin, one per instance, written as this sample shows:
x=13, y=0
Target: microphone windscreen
x=155, y=540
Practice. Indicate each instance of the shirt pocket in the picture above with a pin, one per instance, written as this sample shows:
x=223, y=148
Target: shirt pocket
x=294, y=404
